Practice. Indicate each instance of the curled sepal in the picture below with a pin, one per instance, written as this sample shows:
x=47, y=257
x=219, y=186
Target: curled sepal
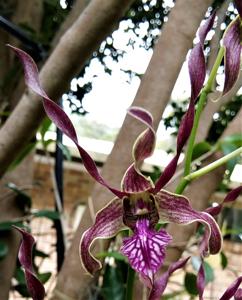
x=231, y=196
x=59, y=117
x=160, y=282
x=134, y=182
x=145, y=143
x=232, y=289
x=177, y=209
x=35, y=287
x=145, y=249
x=232, y=44
x=108, y=222
x=201, y=282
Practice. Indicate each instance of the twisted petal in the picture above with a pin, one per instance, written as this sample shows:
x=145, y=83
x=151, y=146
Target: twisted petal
x=108, y=222
x=161, y=282
x=59, y=117
x=238, y=295
x=232, y=289
x=175, y=208
x=145, y=143
x=35, y=287
x=232, y=44
x=231, y=196
x=197, y=72
x=134, y=182
x=146, y=249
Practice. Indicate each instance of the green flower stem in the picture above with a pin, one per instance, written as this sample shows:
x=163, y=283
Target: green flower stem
x=203, y=97
x=213, y=165
x=130, y=284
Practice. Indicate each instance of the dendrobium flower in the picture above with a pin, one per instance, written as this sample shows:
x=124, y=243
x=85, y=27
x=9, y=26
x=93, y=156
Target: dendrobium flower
x=140, y=204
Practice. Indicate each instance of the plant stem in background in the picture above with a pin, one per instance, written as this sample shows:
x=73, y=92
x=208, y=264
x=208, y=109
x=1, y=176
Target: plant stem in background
x=130, y=283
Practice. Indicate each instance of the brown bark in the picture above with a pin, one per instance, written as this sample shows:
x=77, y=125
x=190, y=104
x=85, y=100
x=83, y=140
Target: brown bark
x=153, y=94
x=199, y=193
x=77, y=44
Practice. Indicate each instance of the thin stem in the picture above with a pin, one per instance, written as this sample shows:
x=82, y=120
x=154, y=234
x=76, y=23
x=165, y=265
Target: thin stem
x=213, y=165
x=130, y=284
x=206, y=90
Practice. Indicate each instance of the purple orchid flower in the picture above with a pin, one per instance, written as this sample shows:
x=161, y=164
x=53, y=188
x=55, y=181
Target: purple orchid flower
x=140, y=203
x=233, y=46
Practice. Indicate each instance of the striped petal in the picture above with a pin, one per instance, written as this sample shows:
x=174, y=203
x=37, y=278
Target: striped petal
x=59, y=117
x=35, y=287
x=177, y=209
x=201, y=282
x=108, y=222
x=160, y=283
x=232, y=44
x=135, y=182
x=145, y=249
x=145, y=143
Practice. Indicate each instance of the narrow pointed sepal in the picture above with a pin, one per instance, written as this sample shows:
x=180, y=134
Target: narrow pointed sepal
x=177, y=209
x=145, y=249
x=58, y=116
x=232, y=290
x=160, y=282
x=201, y=281
x=231, y=197
x=34, y=286
x=238, y=295
x=108, y=222
x=232, y=43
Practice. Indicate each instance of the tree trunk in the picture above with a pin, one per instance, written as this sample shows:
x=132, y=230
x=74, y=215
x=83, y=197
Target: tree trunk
x=153, y=94
x=77, y=45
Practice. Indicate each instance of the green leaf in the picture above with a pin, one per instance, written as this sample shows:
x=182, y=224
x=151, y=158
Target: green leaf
x=7, y=225
x=3, y=250
x=235, y=139
x=190, y=283
x=50, y=214
x=114, y=254
x=40, y=253
x=113, y=285
x=228, y=148
x=44, y=127
x=26, y=150
x=19, y=275
x=22, y=289
x=23, y=200
x=65, y=150
x=209, y=273
x=199, y=149
x=44, y=277
x=224, y=260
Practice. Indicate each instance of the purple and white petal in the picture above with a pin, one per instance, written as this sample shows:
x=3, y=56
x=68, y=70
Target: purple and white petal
x=59, y=117
x=108, y=222
x=177, y=209
x=145, y=249
x=232, y=44
x=145, y=143
x=231, y=197
x=135, y=182
x=160, y=282
x=35, y=287
x=232, y=289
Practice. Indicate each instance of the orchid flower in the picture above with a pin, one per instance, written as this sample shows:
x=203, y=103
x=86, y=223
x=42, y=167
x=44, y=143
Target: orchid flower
x=140, y=204
x=233, y=46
